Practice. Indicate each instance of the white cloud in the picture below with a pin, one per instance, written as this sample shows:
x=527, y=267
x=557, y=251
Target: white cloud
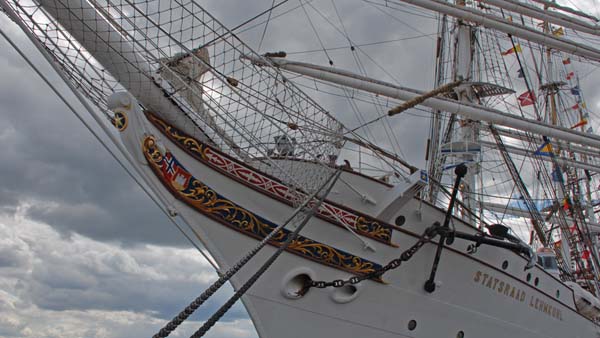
x=56, y=286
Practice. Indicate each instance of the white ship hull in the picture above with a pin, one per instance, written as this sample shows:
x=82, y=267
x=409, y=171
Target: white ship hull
x=484, y=294
x=474, y=294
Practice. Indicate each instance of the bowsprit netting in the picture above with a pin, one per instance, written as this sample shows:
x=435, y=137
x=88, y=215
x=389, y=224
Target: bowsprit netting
x=182, y=64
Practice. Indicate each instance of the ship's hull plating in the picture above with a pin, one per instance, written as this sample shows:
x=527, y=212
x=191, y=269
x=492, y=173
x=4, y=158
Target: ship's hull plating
x=485, y=294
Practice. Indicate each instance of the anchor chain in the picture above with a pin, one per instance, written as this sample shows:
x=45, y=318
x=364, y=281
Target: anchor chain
x=447, y=236
x=429, y=233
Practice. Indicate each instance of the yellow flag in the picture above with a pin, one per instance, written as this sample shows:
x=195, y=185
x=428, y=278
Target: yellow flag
x=544, y=150
x=515, y=49
x=581, y=123
x=558, y=32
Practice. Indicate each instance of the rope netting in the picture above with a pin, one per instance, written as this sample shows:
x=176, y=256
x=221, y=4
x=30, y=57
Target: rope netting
x=182, y=64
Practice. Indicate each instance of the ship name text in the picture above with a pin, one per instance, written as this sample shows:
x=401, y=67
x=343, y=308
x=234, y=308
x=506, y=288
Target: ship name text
x=509, y=290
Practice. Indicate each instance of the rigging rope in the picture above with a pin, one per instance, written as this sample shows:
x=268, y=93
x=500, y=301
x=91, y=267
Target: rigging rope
x=316, y=33
x=374, y=99
x=269, y=10
x=262, y=38
x=360, y=45
x=272, y=17
x=420, y=99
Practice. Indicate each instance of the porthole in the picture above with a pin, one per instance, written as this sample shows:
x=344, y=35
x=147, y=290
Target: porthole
x=504, y=265
x=557, y=293
x=460, y=334
x=400, y=220
x=528, y=277
x=412, y=324
x=536, y=281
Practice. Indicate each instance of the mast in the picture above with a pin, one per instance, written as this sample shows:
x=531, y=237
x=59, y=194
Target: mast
x=574, y=243
x=433, y=143
x=551, y=90
x=469, y=129
x=588, y=189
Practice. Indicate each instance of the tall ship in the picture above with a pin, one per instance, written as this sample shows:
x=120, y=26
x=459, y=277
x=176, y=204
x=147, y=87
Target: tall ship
x=323, y=226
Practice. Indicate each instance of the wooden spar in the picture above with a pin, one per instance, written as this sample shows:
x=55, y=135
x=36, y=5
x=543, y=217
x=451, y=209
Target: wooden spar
x=562, y=161
x=552, y=17
x=566, y=9
x=519, y=135
x=420, y=99
x=470, y=111
x=132, y=71
x=505, y=26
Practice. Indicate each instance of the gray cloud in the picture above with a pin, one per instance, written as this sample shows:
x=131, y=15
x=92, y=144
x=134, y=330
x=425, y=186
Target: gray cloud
x=51, y=162
x=103, y=269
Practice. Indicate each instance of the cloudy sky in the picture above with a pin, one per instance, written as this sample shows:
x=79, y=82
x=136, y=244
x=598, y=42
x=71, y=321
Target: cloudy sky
x=83, y=252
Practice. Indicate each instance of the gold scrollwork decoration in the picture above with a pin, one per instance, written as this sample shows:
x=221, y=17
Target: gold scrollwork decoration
x=362, y=224
x=207, y=201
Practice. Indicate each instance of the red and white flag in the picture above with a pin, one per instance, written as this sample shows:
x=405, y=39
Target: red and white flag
x=174, y=172
x=526, y=99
